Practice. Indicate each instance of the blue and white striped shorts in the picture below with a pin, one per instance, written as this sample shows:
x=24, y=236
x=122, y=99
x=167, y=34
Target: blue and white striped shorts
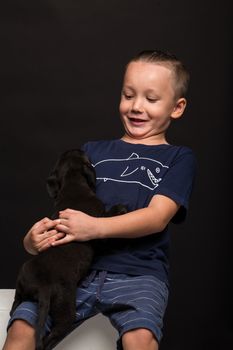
x=128, y=301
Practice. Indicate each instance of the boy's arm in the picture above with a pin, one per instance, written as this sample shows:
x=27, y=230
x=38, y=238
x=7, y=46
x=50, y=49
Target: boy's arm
x=82, y=227
x=141, y=222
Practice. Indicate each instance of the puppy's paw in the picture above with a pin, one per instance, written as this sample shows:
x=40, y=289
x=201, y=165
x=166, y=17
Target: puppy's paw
x=118, y=209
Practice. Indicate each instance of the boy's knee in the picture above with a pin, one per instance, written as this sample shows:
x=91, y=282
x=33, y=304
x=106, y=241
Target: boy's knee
x=20, y=327
x=139, y=339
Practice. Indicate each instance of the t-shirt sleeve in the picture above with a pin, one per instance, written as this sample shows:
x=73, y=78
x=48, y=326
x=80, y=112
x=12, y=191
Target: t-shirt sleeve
x=178, y=182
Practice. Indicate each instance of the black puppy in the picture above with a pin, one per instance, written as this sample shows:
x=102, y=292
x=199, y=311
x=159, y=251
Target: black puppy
x=51, y=277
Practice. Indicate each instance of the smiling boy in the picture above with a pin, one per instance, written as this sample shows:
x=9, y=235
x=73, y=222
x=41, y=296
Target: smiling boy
x=129, y=280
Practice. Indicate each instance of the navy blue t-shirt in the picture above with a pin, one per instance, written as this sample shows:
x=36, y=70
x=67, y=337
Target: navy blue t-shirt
x=131, y=174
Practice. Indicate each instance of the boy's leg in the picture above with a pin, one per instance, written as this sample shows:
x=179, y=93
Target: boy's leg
x=20, y=336
x=135, y=305
x=21, y=327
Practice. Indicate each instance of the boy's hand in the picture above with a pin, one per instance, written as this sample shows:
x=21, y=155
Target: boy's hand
x=75, y=226
x=41, y=235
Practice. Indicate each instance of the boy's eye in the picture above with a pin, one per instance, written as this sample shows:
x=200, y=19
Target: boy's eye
x=127, y=96
x=151, y=99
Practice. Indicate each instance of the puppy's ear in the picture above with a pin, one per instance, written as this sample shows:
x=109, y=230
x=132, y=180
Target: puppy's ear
x=90, y=175
x=52, y=186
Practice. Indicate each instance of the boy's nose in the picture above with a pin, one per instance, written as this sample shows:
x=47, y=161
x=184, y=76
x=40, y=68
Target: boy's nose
x=137, y=106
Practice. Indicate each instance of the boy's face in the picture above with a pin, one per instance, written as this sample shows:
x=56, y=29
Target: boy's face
x=147, y=102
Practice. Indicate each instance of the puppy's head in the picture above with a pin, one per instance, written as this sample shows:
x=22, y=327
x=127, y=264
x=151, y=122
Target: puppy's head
x=73, y=162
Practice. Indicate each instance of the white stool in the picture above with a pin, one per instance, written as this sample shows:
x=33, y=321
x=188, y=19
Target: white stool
x=94, y=334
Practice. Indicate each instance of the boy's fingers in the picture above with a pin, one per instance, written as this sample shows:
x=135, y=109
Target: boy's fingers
x=50, y=224
x=41, y=222
x=65, y=213
x=44, y=247
x=49, y=240
x=63, y=221
x=48, y=234
x=60, y=241
x=62, y=228
x=60, y=235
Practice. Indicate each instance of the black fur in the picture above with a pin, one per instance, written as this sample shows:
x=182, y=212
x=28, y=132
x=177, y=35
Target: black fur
x=51, y=277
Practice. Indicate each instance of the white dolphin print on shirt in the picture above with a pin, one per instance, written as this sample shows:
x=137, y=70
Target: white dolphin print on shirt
x=134, y=169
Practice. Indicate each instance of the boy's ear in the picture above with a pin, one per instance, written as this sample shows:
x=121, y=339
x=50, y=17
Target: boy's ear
x=90, y=175
x=179, y=108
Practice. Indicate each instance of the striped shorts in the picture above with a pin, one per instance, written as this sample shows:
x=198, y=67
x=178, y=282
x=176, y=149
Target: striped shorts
x=128, y=301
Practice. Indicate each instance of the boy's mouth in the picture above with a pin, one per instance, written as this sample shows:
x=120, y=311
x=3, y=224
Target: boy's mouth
x=137, y=121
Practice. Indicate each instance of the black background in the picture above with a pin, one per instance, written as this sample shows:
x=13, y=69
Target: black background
x=61, y=66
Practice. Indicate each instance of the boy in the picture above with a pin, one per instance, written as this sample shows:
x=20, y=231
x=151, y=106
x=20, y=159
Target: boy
x=129, y=280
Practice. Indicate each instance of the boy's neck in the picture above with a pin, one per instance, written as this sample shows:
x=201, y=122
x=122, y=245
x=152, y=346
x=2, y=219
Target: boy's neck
x=147, y=141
